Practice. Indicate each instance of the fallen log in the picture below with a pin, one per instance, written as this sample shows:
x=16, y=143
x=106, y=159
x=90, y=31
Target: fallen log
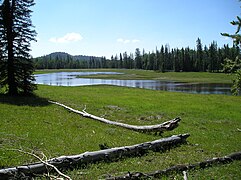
x=166, y=126
x=180, y=168
x=113, y=154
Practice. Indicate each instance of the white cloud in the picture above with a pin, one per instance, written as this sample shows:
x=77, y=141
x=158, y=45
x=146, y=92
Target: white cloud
x=126, y=41
x=69, y=37
x=135, y=41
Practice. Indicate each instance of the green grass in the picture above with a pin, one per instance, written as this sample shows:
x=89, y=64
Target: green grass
x=31, y=123
x=146, y=74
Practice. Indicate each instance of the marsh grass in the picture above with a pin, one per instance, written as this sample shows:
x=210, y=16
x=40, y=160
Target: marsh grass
x=32, y=124
x=130, y=74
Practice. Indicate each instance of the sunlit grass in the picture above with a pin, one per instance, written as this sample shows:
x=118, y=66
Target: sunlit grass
x=31, y=123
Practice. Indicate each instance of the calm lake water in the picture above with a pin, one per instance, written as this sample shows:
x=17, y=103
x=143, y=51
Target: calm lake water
x=70, y=79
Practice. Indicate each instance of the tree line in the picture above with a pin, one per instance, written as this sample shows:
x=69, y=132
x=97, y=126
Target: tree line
x=200, y=59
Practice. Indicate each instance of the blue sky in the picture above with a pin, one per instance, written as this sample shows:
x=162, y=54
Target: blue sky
x=109, y=27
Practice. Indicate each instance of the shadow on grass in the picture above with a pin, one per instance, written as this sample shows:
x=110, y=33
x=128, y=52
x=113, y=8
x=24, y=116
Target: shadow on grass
x=32, y=100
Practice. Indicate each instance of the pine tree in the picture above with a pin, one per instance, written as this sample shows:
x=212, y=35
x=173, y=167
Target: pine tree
x=213, y=57
x=205, y=58
x=176, y=64
x=186, y=66
x=199, y=60
x=138, y=60
x=166, y=57
x=237, y=36
x=121, y=61
x=236, y=88
x=15, y=36
x=162, y=60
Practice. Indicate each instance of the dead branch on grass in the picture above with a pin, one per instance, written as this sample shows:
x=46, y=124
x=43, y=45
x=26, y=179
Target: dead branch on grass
x=112, y=154
x=180, y=168
x=166, y=126
x=45, y=162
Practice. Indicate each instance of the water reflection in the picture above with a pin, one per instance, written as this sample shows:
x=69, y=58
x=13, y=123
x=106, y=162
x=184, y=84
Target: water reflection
x=69, y=79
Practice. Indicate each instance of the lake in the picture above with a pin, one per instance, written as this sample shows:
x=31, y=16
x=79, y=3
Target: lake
x=70, y=79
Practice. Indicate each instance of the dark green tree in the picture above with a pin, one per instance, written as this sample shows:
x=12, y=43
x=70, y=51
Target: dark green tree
x=237, y=36
x=166, y=56
x=156, y=60
x=16, y=33
x=121, y=61
x=144, y=59
x=162, y=60
x=131, y=61
x=212, y=65
x=176, y=64
x=187, y=59
x=125, y=60
x=205, y=58
x=138, y=59
x=199, y=59
x=150, y=61
x=234, y=65
x=182, y=58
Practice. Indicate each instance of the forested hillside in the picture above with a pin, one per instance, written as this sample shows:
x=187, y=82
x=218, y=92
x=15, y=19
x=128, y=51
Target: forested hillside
x=200, y=59
x=62, y=60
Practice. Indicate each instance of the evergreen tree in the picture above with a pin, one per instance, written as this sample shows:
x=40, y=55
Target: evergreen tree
x=144, y=59
x=162, y=60
x=116, y=64
x=104, y=62
x=237, y=61
x=182, y=60
x=166, y=57
x=138, y=59
x=176, y=64
x=15, y=36
x=150, y=61
x=187, y=64
x=213, y=57
x=172, y=59
x=205, y=58
x=236, y=37
x=199, y=59
x=125, y=60
x=131, y=61
x=121, y=61
x=112, y=61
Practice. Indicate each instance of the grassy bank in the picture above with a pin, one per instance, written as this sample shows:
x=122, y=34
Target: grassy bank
x=146, y=74
x=31, y=123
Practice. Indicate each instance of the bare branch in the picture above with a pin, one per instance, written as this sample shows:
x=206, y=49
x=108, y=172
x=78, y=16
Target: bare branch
x=112, y=154
x=44, y=162
x=166, y=126
x=180, y=168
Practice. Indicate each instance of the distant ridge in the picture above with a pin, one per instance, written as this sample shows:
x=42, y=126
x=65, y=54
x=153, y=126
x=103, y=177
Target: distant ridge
x=64, y=56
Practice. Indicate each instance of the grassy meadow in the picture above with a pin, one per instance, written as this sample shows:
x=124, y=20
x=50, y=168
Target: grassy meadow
x=34, y=125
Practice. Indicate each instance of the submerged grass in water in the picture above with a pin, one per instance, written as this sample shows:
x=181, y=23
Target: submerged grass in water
x=133, y=74
x=31, y=123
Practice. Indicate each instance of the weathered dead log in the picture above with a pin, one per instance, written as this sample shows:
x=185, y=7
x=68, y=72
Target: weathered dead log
x=180, y=168
x=113, y=154
x=166, y=126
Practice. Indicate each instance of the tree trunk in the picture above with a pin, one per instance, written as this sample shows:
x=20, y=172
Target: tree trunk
x=180, y=168
x=9, y=8
x=166, y=126
x=95, y=156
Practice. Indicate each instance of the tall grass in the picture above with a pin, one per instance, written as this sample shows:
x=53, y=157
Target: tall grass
x=32, y=124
